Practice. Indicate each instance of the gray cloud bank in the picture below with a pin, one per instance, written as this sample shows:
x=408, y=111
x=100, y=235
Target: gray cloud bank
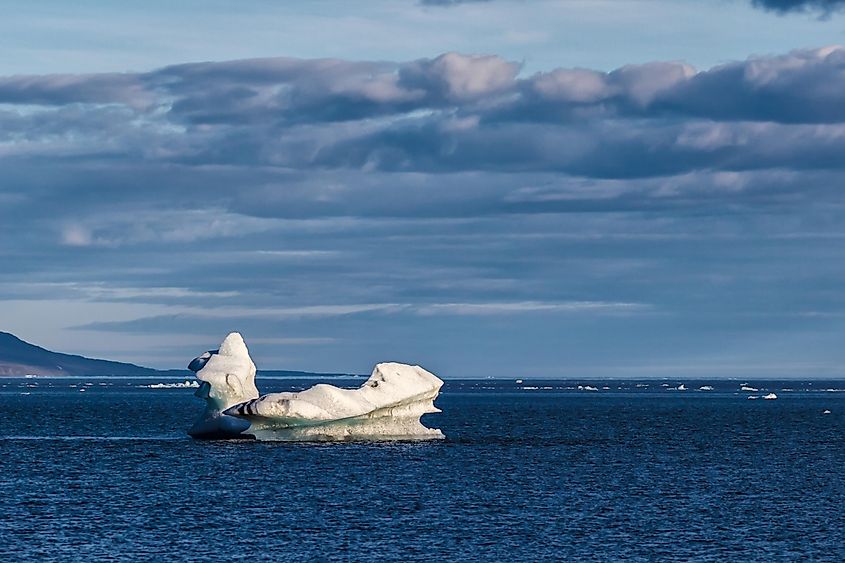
x=447, y=114
x=785, y=6
x=417, y=204
x=825, y=7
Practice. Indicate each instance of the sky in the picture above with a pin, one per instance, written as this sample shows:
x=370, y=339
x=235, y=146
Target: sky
x=501, y=188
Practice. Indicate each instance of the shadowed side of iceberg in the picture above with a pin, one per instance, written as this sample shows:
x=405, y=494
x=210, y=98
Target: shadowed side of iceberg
x=227, y=377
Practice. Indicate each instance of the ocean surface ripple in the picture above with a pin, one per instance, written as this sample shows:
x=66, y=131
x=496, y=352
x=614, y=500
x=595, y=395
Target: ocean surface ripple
x=537, y=471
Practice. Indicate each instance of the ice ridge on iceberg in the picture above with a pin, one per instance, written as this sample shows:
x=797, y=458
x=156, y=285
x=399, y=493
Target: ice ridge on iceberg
x=388, y=406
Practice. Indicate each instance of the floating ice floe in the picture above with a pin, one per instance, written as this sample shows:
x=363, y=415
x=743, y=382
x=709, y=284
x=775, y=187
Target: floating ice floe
x=770, y=397
x=706, y=388
x=826, y=412
x=179, y=385
x=388, y=406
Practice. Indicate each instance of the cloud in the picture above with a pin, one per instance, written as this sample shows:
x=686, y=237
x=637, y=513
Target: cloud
x=451, y=207
x=503, y=308
x=824, y=7
x=219, y=316
x=459, y=78
x=450, y=113
x=63, y=89
x=785, y=6
x=76, y=235
x=446, y=3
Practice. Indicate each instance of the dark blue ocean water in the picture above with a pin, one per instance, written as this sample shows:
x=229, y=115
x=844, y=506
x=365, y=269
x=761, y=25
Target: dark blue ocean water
x=530, y=472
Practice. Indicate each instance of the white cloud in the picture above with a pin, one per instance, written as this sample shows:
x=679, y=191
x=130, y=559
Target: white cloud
x=76, y=235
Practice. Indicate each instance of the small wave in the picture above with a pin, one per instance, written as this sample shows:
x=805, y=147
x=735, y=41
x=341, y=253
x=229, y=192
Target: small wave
x=706, y=388
x=748, y=388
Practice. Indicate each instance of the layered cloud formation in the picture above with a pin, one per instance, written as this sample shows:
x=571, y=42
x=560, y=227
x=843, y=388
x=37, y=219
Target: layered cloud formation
x=437, y=206
x=448, y=114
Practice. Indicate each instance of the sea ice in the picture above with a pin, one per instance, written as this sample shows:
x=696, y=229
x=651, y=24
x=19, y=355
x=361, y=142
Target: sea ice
x=388, y=406
x=178, y=385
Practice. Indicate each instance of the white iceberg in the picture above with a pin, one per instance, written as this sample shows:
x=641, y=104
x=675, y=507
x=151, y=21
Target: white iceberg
x=388, y=406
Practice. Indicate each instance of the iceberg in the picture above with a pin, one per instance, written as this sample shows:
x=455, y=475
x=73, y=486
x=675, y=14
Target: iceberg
x=388, y=406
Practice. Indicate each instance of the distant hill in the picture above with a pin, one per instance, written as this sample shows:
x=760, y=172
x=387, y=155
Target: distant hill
x=19, y=358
